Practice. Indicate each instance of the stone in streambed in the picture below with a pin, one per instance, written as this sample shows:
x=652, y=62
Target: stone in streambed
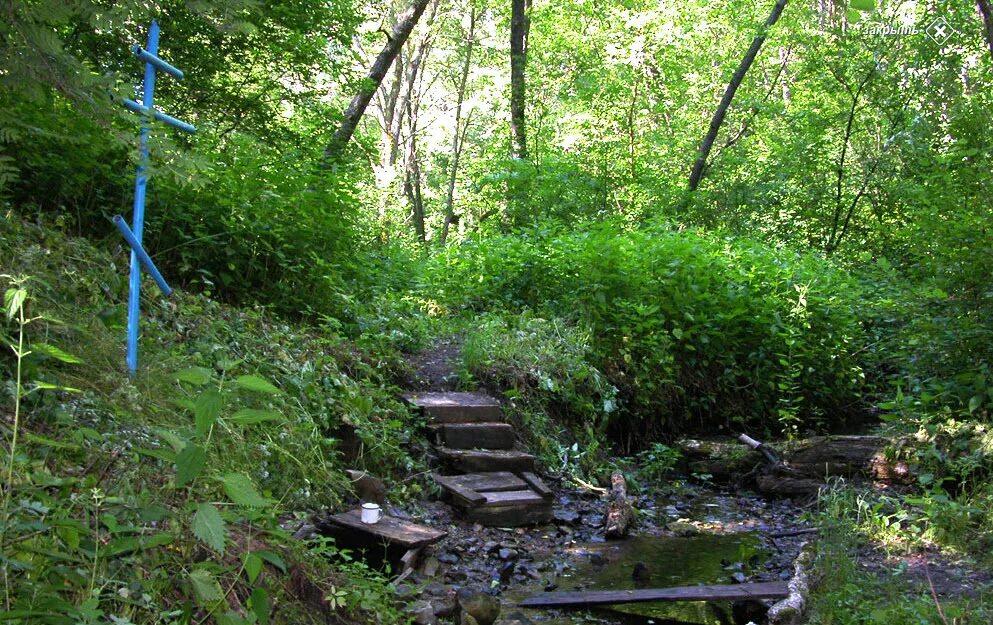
x=477, y=608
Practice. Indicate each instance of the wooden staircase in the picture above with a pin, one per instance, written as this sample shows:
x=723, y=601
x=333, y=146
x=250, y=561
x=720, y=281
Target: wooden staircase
x=491, y=482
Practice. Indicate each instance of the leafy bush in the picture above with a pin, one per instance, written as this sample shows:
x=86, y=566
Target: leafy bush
x=695, y=330
x=543, y=366
x=165, y=497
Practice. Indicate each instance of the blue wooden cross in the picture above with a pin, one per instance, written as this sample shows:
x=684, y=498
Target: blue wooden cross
x=139, y=257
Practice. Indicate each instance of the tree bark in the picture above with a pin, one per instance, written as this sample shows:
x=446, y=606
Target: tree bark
x=987, y=12
x=715, y=123
x=458, y=139
x=520, y=25
x=405, y=24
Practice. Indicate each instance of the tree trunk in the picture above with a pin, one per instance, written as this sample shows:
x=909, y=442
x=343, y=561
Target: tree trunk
x=987, y=12
x=458, y=139
x=520, y=24
x=715, y=124
x=405, y=24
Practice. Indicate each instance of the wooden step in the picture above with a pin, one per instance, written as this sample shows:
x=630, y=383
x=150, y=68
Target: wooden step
x=456, y=407
x=477, y=435
x=486, y=461
x=482, y=482
x=512, y=515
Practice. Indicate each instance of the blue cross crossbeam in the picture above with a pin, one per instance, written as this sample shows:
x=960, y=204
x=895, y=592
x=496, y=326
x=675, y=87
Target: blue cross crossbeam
x=133, y=234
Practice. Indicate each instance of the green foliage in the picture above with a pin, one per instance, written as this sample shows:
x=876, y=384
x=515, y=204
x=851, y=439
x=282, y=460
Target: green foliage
x=544, y=367
x=694, y=330
x=195, y=466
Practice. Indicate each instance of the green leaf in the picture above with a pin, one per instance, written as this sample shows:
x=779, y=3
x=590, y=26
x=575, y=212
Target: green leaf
x=272, y=558
x=208, y=526
x=189, y=463
x=175, y=440
x=206, y=410
x=259, y=603
x=257, y=384
x=206, y=590
x=864, y=5
x=13, y=299
x=975, y=402
x=197, y=376
x=253, y=566
x=54, y=352
x=231, y=618
x=249, y=416
x=241, y=490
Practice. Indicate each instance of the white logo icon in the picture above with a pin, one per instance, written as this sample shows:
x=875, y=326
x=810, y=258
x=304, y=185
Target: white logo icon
x=940, y=31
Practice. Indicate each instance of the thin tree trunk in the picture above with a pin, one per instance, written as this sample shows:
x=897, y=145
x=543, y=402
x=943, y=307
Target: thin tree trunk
x=520, y=24
x=413, y=71
x=715, y=124
x=405, y=24
x=987, y=12
x=833, y=239
x=457, y=137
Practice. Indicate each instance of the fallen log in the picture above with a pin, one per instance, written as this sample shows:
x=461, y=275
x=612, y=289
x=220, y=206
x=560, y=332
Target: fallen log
x=789, y=611
x=620, y=512
x=733, y=592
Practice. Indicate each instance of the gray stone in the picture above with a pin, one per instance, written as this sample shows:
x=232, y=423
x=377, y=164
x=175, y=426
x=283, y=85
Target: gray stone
x=423, y=613
x=477, y=607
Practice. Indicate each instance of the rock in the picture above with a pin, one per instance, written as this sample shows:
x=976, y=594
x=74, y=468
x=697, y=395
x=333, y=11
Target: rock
x=368, y=487
x=514, y=618
x=423, y=613
x=640, y=572
x=507, y=571
x=739, y=577
x=448, y=558
x=456, y=575
x=507, y=554
x=593, y=520
x=430, y=567
x=551, y=586
x=597, y=559
x=445, y=607
x=305, y=531
x=565, y=516
x=684, y=528
x=477, y=608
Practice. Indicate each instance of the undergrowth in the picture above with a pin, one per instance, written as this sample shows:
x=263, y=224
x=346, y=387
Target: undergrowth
x=170, y=498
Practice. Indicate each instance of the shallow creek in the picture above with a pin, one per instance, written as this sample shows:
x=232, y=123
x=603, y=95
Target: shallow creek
x=686, y=537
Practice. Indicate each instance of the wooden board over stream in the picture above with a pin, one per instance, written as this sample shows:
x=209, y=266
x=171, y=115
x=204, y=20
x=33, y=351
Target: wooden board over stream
x=734, y=592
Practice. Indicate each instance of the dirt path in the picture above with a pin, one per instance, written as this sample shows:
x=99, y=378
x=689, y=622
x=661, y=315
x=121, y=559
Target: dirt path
x=436, y=368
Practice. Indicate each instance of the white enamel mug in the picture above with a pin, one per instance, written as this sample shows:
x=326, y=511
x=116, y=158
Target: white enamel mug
x=371, y=513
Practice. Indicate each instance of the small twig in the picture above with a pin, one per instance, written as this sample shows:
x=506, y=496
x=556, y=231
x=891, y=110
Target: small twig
x=934, y=594
x=587, y=485
x=799, y=532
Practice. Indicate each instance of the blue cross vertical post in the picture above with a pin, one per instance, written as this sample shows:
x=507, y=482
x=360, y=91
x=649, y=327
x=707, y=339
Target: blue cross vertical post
x=133, y=235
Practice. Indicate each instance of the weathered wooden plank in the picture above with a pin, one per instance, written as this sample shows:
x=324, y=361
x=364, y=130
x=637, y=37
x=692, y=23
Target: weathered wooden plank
x=536, y=484
x=469, y=496
x=489, y=482
x=456, y=407
x=480, y=461
x=511, y=516
x=479, y=435
x=389, y=529
x=735, y=592
x=513, y=498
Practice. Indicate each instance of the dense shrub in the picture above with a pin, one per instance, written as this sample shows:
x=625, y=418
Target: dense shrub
x=696, y=331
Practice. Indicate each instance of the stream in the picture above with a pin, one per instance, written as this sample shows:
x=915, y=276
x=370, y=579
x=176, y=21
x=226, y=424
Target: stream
x=686, y=535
